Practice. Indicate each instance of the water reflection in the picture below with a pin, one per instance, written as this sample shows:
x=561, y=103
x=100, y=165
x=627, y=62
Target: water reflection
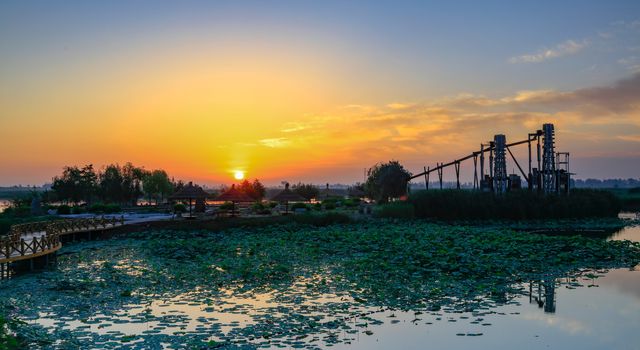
x=545, y=296
x=597, y=309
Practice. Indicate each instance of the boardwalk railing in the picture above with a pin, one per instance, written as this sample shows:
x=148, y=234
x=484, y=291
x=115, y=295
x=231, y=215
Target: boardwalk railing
x=26, y=241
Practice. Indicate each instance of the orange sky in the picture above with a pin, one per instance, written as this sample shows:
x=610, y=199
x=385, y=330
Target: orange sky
x=280, y=96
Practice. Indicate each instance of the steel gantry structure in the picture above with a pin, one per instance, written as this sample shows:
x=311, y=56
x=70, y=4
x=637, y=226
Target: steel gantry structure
x=550, y=175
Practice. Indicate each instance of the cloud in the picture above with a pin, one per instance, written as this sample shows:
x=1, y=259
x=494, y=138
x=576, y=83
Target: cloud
x=566, y=48
x=279, y=142
x=397, y=105
x=588, y=120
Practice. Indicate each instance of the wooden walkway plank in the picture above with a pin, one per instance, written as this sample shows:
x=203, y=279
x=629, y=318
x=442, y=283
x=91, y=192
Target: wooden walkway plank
x=31, y=240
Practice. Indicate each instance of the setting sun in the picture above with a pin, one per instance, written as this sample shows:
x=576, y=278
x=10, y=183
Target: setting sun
x=238, y=174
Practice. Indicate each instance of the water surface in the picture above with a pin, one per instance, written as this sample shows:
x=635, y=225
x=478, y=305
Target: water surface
x=599, y=309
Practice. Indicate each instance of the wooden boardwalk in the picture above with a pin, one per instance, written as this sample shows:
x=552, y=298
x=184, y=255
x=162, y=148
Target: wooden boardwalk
x=33, y=240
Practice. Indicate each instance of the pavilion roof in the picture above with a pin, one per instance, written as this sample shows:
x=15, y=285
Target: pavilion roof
x=234, y=195
x=287, y=195
x=190, y=191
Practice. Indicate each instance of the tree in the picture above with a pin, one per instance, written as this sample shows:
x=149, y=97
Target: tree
x=121, y=184
x=88, y=183
x=110, y=184
x=388, y=180
x=157, y=185
x=259, y=191
x=75, y=184
x=307, y=191
x=132, y=183
x=255, y=189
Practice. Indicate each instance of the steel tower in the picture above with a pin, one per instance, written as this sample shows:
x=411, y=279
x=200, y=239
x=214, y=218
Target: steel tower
x=499, y=164
x=548, y=159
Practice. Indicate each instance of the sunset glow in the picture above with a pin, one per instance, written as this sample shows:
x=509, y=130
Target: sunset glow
x=238, y=175
x=304, y=100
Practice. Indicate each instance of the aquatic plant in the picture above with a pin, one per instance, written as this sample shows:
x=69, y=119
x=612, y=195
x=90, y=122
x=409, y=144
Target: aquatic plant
x=368, y=265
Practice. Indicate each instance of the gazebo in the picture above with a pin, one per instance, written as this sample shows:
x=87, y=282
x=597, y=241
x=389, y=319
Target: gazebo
x=234, y=195
x=190, y=192
x=286, y=196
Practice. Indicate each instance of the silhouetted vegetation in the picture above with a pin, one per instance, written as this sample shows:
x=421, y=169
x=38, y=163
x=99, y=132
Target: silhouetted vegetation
x=629, y=197
x=179, y=208
x=387, y=180
x=100, y=208
x=308, y=191
x=112, y=184
x=397, y=210
x=295, y=206
x=516, y=205
x=157, y=186
x=121, y=184
x=76, y=184
x=255, y=189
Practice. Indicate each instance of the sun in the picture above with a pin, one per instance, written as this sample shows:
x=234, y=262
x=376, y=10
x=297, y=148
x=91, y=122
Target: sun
x=238, y=174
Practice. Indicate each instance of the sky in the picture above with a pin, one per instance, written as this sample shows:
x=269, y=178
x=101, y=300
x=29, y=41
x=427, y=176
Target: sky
x=313, y=91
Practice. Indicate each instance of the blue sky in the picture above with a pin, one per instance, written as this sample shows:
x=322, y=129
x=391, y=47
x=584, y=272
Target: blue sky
x=424, y=48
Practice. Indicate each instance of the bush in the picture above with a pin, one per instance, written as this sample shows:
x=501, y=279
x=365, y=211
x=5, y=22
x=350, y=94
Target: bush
x=112, y=209
x=257, y=206
x=295, y=206
x=97, y=208
x=18, y=212
x=100, y=208
x=350, y=203
x=516, y=205
x=179, y=208
x=398, y=210
x=78, y=210
x=260, y=208
x=227, y=206
x=64, y=209
x=273, y=204
x=329, y=205
x=5, y=225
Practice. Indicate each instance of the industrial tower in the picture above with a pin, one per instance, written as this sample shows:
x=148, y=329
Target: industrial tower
x=548, y=159
x=499, y=164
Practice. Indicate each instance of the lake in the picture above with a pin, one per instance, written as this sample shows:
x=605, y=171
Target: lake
x=594, y=310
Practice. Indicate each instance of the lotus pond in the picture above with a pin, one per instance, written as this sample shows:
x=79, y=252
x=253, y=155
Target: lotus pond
x=372, y=284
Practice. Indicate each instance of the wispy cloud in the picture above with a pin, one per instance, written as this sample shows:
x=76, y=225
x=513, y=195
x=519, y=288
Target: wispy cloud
x=443, y=128
x=279, y=142
x=569, y=47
